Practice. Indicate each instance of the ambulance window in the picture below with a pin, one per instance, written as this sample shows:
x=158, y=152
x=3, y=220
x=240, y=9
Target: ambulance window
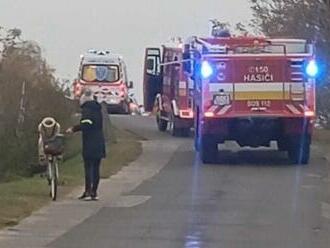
x=100, y=73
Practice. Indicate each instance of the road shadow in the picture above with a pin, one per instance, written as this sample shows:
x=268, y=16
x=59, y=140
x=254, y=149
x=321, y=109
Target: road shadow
x=254, y=158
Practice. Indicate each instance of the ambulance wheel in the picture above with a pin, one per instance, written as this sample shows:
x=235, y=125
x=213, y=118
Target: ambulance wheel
x=282, y=145
x=77, y=106
x=125, y=109
x=208, y=150
x=299, y=150
x=161, y=124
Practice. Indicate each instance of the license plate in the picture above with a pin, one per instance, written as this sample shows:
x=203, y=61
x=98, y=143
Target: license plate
x=112, y=100
x=221, y=100
x=257, y=104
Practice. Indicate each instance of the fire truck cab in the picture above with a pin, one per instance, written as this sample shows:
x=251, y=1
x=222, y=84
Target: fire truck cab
x=106, y=75
x=252, y=90
x=166, y=91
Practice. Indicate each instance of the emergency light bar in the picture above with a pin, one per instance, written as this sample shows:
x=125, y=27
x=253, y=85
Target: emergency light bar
x=312, y=69
x=209, y=48
x=93, y=51
x=206, y=69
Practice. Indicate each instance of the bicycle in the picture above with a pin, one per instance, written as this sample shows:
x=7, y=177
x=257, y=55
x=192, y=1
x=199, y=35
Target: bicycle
x=52, y=176
x=53, y=149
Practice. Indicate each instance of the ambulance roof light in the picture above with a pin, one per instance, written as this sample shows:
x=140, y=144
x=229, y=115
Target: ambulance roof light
x=92, y=51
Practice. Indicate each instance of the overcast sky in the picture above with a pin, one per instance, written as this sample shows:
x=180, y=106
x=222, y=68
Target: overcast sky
x=67, y=28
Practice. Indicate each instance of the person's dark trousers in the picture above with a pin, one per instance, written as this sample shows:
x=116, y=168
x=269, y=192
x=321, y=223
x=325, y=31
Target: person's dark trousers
x=92, y=175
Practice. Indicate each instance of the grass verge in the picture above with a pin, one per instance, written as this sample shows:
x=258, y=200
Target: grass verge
x=321, y=138
x=21, y=197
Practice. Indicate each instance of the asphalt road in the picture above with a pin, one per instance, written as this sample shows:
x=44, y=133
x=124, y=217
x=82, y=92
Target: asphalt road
x=251, y=199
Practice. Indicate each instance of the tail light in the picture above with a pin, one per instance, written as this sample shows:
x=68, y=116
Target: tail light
x=78, y=88
x=186, y=114
x=309, y=113
x=209, y=114
x=122, y=89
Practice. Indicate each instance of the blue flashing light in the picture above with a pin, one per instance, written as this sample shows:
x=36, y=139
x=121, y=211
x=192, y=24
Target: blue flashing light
x=206, y=69
x=312, y=68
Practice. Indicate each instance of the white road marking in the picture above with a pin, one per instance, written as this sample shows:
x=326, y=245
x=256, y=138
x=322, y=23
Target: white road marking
x=313, y=175
x=325, y=210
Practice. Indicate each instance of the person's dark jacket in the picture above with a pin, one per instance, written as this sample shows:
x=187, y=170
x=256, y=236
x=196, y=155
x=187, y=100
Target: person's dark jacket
x=92, y=131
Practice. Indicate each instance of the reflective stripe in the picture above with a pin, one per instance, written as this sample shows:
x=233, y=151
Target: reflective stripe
x=86, y=121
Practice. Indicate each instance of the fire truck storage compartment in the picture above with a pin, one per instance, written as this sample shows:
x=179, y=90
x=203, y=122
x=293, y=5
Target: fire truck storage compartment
x=153, y=80
x=257, y=131
x=254, y=132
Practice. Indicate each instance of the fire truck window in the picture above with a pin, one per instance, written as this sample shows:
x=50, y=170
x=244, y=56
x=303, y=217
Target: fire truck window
x=274, y=48
x=291, y=48
x=152, y=65
x=100, y=73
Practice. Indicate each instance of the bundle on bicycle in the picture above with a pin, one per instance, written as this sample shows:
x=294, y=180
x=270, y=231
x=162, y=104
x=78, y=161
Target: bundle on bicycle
x=51, y=148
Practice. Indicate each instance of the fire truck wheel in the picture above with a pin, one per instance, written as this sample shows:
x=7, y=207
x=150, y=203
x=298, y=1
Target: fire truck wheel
x=299, y=151
x=185, y=132
x=161, y=124
x=208, y=150
x=175, y=131
x=197, y=131
x=197, y=143
x=282, y=145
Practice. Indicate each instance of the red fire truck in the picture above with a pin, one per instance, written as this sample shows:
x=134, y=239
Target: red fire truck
x=253, y=91
x=166, y=89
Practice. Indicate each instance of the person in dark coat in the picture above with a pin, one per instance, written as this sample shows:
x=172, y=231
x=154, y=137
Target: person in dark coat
x=93, y=143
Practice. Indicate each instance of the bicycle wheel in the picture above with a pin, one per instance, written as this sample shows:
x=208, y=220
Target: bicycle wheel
x=53, y=180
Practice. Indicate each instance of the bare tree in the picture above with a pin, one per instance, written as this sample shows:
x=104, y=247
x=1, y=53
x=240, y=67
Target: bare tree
x=22, y=62
x=300, y=19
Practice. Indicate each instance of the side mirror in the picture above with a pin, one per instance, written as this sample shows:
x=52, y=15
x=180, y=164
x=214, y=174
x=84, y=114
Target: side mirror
x=75, y=82
x=130, y=85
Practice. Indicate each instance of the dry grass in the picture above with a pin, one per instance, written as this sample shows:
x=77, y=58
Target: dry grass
x=20, y=198
x=322, y=136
